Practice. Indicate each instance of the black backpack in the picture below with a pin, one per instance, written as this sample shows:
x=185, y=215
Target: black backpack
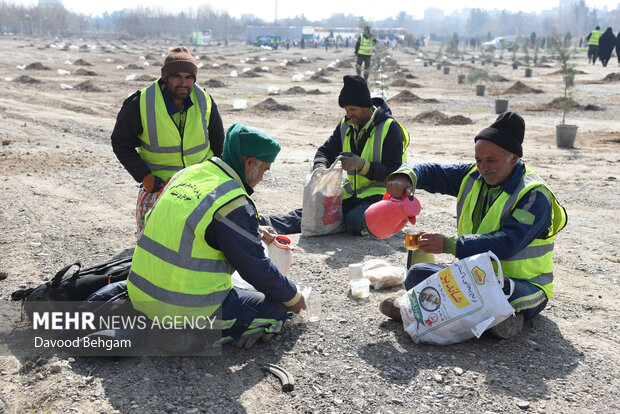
x=74, y=287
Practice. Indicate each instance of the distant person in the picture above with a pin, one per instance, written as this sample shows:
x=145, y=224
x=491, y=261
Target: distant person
x=593, y=43
x=173, y=122
x=373, y=145
x=303, y=43
x=607, y=42
x=503, y=206
x=618, y=48
x=363, y=50
x=287, y=43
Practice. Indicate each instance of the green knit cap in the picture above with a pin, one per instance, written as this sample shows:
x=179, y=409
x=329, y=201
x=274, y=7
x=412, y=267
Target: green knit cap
x=251, y=142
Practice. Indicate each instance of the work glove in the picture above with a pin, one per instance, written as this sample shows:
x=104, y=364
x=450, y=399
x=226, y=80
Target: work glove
x=152, y=183
x=351, y=162
x=248, y=341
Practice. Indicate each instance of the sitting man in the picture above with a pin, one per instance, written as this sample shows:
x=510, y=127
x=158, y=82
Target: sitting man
x=502, y=206
x=203, y=228
x=372, y=144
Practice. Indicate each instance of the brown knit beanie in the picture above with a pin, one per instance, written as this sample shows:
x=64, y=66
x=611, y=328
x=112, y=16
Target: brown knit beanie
x=179, y=60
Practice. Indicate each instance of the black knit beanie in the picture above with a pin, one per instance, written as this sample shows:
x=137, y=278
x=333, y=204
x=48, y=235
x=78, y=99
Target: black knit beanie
x=354, y=92
x=179, y=60
x=507, y=131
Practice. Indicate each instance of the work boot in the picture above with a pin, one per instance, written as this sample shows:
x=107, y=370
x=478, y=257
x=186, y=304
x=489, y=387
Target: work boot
x=389, y=309
x=509, y=327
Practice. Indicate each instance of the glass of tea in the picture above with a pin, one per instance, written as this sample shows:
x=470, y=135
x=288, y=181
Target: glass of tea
x=412, y=239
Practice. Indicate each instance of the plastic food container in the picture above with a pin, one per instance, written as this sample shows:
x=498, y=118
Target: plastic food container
x=360, y=288
x=355, y=271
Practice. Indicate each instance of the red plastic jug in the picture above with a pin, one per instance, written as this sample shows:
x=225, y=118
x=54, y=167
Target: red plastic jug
x=388, y=216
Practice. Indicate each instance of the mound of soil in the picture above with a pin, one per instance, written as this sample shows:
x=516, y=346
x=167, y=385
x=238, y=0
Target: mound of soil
x=295, y=90
x=84, y=72
x=227, y=66
x=146, y=78
x=410, y=76
x=559, y=72
x=26, y=79
x=520, y=88
x=214, y=83
x=316, y=92
x=272, y=105
x=612, y=77
x=151, y=57
x=439, y=118
x=404, y=83
x=37, y=66
x=344, y=65
x=500, y=78
x=406, y=96
x=249, y=74
x=82, y=62
x=155, y=64
x=134, y=67
x=260, y=69
x=88, y=86
x=318, y=77
x=556, y=105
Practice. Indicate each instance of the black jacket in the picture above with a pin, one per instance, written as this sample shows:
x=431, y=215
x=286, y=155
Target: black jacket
x=392, y=145
x=606, y=45
x=129, y=126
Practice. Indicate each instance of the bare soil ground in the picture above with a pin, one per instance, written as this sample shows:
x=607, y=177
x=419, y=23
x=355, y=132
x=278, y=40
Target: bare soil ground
x=65, y=197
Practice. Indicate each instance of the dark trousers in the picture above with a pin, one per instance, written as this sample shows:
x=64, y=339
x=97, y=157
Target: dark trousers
x=526, y=298
x=592, y=53
x=365, y=59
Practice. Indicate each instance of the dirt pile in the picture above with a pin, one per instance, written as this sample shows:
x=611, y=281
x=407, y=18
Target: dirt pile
x=271, y=105
x=439, y=118
x=26, y=79
x=88, y=86
x=612, y=77
x=319, y=77
x=500, y=78
x=520, y=88
x=133, y=66
x=250, y=74
x=295, y=90
x=344, y=65
x=408, y=97
x=214, y=83
x=556, y=105
x=84, y=72
x=146, y=78
x=82, y=62
x=405, y=83
x=37, y=66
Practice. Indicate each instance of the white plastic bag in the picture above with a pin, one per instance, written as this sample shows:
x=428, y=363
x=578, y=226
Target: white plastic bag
x=382, y=274
x=457, y=303
x=322, y=203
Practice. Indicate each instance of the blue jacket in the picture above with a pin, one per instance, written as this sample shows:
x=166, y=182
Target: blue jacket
x=514, y=235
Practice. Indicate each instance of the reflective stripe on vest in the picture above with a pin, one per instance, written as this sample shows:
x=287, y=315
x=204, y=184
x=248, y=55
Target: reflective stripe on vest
x=363, y=186
x=594, y=37
x=174, y=271
x=533, y=263
x=365, y=45
x=162, y=148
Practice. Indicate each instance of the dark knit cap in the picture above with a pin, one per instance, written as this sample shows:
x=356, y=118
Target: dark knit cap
x=179, y=60
x=507, y=131
x=354, y=92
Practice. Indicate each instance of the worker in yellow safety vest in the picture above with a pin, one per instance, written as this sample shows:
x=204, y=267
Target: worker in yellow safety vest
x=503, y=206
x=173, y=122
x=363, y=50
x=593, y=44
x=203, y=228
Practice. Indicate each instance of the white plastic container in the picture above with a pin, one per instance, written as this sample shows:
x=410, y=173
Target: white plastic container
x=281, y=253
x=360, y=288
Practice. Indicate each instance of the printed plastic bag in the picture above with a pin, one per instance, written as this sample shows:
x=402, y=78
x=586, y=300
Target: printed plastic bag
x=383, y=275
x=322, y=203
x=457, y=303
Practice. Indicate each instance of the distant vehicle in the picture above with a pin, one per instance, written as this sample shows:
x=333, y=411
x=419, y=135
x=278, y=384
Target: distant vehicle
x=499, y=43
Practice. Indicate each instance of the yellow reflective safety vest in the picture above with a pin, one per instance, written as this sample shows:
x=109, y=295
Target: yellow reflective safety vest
x=163, y=149
x=357, y=184
x=534, y=263
x=174, y=271
x=594, y=37
x=365, y=45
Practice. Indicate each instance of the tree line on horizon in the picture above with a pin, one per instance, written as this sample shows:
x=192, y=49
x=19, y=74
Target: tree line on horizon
x=50, y=20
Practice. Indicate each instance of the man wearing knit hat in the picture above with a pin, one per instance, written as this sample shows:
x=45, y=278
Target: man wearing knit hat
x=203, y=228
x=173, y=122
x=372, y=145
x=502, y=206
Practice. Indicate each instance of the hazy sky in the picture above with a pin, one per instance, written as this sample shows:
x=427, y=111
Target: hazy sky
x=315, y=9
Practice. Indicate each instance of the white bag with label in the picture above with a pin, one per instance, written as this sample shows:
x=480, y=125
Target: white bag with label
x=322, y=202
x=457, y=303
